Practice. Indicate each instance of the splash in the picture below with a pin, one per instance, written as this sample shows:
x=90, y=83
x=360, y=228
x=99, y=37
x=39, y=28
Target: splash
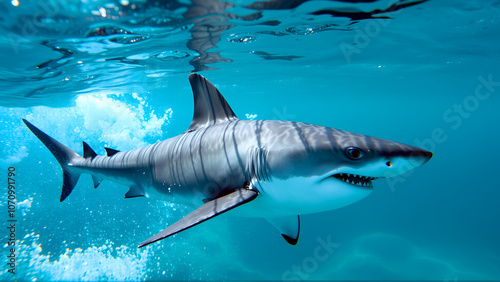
x=121, y=121
x=120, y=124
x=13, y=155
x=25, y=206
x=251, y=116
x=94, y=263
x=12, y=146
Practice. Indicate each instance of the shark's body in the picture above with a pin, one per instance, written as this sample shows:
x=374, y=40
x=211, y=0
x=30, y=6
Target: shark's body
x=278, y=169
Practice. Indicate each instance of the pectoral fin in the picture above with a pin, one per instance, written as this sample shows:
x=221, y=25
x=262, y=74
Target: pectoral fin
x=96, y=181
x=208, y=210
x=289, y=226
x=134, y=192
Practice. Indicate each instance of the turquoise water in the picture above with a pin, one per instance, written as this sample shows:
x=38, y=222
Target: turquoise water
x=114, y=74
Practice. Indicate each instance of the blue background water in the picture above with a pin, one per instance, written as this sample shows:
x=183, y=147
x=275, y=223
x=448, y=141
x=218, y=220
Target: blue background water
x=115, y=74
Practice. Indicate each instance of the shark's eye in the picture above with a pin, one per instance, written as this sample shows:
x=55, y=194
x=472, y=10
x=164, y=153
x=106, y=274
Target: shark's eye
x=354, y=153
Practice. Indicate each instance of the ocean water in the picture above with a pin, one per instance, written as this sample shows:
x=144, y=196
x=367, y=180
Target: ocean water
x=114, y=74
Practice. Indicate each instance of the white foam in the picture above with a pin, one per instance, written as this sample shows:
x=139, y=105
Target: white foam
x=105, y=119
x=251, y=116
x=14, y=155
x=94, y=263
x=119, y=124
x=12, y=144
x=25, y=205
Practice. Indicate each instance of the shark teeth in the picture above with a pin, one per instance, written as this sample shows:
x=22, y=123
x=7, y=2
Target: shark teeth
x=354, y=179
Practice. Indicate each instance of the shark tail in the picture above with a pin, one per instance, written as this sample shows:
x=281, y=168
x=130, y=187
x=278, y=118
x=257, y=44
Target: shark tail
x=64, y=156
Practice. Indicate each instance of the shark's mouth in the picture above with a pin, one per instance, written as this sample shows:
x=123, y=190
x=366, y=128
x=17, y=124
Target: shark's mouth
x=356, y=180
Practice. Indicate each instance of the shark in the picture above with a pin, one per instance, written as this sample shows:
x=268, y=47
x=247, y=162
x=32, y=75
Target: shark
x=276, y=170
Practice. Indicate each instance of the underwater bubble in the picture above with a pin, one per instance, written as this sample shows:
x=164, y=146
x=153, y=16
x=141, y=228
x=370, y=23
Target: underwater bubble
x=300, y=30
x=160, y=20
x=114, y=263
x=116, y=34
x=107, y=30
x=128, y=39
x=308, y=29
x=236, y=38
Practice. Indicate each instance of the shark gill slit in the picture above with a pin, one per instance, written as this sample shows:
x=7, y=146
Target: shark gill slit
x=257, y=168
x=175, y=156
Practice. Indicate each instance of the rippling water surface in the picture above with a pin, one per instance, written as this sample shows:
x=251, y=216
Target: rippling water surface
x=114, y=73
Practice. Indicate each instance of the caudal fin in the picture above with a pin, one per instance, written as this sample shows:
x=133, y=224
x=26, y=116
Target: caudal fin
x=63, y=154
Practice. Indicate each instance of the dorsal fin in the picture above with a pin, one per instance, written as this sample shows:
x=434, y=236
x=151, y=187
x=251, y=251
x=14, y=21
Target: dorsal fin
x=209, y=105
x=110, y=152
x=88, y=152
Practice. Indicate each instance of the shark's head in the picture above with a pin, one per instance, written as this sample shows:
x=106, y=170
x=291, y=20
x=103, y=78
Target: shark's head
x=360, y=159
x=318, y=168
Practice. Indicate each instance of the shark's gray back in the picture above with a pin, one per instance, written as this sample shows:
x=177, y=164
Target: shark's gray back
x=192, y=162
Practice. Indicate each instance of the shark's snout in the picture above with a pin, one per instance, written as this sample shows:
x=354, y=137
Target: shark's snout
x=421, y=157
x=403, y=161
x=426, y=155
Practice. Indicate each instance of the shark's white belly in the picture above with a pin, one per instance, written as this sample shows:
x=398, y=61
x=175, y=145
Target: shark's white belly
x=301, y=195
